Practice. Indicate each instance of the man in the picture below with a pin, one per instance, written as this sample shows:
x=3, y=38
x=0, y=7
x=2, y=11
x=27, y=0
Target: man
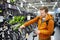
x=44, y=31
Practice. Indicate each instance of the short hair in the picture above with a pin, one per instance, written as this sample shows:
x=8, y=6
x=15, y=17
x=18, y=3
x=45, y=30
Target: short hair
x=44, y=8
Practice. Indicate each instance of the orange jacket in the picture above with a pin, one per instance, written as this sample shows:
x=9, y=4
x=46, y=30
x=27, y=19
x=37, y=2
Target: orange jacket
x=45, y=30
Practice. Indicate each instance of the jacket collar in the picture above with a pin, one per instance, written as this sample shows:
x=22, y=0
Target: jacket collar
x=48, y=16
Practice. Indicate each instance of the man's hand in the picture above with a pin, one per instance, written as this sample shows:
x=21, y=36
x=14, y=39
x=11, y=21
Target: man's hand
x=37, y=32
x=22, y=26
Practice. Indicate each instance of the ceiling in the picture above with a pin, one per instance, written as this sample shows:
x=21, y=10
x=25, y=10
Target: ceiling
x=34, y=5
x=38, y=3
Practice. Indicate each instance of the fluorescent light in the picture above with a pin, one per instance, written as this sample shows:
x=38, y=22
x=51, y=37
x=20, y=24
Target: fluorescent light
x=24, y=0
x=54, y=5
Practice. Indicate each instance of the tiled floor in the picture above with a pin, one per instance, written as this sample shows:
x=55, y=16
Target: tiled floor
x=57, y=33
x=55, y=37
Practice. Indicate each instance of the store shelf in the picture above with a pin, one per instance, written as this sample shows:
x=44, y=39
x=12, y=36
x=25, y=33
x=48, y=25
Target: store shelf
x=12, y=7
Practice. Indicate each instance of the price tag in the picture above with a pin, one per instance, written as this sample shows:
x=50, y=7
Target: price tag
x=28, y=18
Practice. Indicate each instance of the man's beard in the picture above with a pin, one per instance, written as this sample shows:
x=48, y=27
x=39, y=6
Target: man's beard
x=43, y=16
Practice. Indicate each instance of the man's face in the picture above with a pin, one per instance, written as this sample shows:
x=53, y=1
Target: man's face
x=43, y=13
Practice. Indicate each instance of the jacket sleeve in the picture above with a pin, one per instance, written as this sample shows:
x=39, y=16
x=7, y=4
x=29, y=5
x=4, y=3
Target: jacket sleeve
x=50, y=28
x=31, y=21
